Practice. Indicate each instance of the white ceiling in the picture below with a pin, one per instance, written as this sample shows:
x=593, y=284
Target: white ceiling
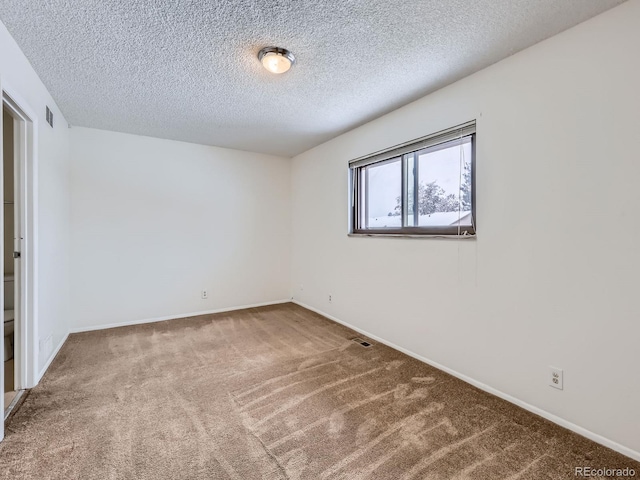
x=187, y=69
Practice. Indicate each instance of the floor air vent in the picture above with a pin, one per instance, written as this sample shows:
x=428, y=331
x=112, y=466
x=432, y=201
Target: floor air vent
x=362, y=342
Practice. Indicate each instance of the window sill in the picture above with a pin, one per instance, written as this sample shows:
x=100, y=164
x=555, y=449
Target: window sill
x=408, y=235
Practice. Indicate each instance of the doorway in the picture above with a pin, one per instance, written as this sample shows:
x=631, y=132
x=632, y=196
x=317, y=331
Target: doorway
x=17, y=219
x=11, y=288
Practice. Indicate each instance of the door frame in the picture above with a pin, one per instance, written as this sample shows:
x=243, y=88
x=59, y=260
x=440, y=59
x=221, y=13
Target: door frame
x=26, y=307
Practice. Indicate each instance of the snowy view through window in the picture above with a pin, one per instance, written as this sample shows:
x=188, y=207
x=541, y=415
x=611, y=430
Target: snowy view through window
x=444, y=188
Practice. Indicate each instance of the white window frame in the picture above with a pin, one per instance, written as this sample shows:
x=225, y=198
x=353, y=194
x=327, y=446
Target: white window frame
x=466, y=132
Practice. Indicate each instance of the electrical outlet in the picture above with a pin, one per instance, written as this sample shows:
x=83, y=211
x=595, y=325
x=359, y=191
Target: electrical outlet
x=330, y=299
x=204, y=294
x=555, y=377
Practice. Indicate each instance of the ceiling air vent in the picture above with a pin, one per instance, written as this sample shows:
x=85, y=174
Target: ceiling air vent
x=49, y=117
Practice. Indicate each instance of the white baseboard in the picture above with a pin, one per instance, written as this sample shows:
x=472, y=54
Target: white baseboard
x=531, y=408
x=173, y=317
x=51, y=358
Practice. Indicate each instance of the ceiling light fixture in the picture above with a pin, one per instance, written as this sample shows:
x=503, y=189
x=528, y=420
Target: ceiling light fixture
x=275, y=59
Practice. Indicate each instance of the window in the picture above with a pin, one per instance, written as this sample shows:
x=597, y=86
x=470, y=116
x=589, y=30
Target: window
x=424, y=187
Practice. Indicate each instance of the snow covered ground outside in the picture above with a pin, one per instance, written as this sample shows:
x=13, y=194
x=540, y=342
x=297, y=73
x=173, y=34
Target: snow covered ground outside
x=439, y=219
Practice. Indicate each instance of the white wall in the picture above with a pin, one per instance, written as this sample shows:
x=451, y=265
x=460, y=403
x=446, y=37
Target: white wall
x=52, y=190
x=156, y=221
x=552, y=276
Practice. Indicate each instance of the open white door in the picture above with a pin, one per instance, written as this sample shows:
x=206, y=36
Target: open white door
x=19, y=203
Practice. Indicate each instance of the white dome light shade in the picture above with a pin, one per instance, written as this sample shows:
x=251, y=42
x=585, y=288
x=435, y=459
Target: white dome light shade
x=276, y=60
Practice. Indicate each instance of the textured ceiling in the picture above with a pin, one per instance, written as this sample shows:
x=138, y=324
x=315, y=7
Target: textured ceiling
x=187, y=69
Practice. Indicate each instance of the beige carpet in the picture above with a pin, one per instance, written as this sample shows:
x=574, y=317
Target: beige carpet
x=271, y=393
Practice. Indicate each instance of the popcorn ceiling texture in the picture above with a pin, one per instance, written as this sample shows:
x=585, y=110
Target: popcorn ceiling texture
x=187, y=70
